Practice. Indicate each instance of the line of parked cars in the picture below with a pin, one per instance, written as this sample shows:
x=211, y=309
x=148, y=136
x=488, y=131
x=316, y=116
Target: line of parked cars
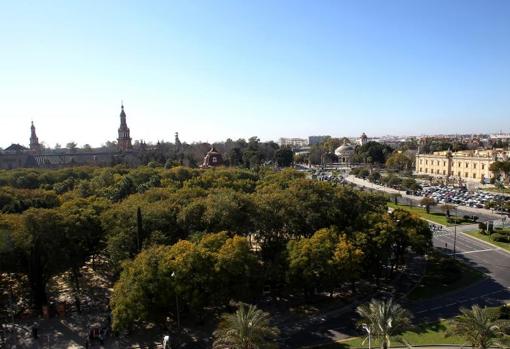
x=443, y=194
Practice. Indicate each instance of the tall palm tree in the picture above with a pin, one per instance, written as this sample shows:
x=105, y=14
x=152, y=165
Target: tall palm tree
x=384, y=319
x=247, y=328
x=479, y=326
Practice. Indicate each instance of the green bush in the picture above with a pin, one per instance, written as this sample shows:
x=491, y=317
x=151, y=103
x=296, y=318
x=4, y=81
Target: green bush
x=500, y=237
x=452, y=271
x=504, y=312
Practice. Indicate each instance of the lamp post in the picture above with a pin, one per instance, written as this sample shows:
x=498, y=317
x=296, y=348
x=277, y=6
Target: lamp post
x=366, y=328
x=455, y=234
x=177, y=308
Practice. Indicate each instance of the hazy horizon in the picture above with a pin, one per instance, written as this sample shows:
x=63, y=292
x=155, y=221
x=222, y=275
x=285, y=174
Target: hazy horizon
x=213, y=70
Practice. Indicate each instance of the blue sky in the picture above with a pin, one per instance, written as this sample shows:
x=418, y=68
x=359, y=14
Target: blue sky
x=217, y=69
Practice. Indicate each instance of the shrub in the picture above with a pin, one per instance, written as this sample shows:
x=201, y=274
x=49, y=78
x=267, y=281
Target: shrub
x=500, y=237
x=451, y=270
x=504, y=312
x=374, y=177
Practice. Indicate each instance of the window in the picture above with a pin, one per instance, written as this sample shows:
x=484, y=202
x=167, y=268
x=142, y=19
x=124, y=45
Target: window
x=421, y=170
x=426, y=170
x=467, y=164
x=421, y=162
x=444, y=163
x=474, y=175
x=466, y=175
x=444, y=172
x=458, y=173
x=437, y=171
x=214, y=159
x=426, y=162
x=437, y=162
x=474, y=165
x=483, y=166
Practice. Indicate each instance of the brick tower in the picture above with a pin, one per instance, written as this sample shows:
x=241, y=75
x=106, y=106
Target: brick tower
x=124, y=140
x=34, y=141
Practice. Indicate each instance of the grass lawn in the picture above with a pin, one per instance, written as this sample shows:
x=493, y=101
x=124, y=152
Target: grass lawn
x=477, y=234
x=439, y=218
x=432, y=333
x=498, y=190
x=443, y=275
x=436, y=217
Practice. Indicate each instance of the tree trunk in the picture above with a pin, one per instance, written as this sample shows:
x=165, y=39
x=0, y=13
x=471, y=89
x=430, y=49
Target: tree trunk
x=38, y=288
x=76, y=283
x=139, y=229
x=37, y=281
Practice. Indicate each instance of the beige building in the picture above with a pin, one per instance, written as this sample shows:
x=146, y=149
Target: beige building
x=293, y=142
x=468, y=165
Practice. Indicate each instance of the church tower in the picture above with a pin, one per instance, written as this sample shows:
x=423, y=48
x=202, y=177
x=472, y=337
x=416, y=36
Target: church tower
x=124, y=140
x=34, y=141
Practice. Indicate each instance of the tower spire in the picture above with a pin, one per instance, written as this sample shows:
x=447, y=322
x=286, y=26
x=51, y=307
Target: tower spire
x=124, y=140
x=34, y=141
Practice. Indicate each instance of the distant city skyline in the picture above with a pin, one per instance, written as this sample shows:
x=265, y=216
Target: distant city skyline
x=213, y=70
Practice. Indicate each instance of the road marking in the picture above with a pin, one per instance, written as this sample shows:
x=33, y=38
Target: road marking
x=477, y=251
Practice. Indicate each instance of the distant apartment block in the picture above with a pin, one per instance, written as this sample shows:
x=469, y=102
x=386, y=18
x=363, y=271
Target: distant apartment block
x=313, y=140
x=293, y=142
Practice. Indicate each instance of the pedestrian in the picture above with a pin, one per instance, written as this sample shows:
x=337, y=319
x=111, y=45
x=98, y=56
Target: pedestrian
x=166, y=341
x=102, y=335
x=109, y=319
x=34, y=330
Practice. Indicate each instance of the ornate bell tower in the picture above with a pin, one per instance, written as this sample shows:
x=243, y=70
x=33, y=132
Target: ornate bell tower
x=124, y=140
x=34, y=141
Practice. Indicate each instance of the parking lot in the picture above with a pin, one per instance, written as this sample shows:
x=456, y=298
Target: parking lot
x=461, y=196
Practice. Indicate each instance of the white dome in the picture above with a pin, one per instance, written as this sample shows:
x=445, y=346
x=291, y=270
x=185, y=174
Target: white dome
x=344, y=149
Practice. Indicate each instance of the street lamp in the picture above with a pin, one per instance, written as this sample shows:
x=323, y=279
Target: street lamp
x=366, y=328
x=177, y=308
x=455, y=233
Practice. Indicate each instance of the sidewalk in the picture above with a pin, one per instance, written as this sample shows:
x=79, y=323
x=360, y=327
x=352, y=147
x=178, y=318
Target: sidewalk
x=364, y=183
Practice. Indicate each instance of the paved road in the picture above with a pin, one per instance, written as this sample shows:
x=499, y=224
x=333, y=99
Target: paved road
x=493, y=290
x=483, y=214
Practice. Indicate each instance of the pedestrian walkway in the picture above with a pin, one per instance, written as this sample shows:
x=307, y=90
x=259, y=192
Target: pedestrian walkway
x=366, y=184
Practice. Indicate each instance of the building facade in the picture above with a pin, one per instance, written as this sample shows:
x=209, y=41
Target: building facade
x=345, y=153
x=468, y=165
x=363, y=139
x=18, y=156
x=314, y=140
x=212, y=159
x=293, y=142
